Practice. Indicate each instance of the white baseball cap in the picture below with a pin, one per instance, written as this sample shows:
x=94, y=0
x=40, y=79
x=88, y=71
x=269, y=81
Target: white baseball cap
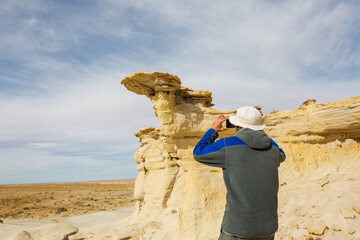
x=247, y=117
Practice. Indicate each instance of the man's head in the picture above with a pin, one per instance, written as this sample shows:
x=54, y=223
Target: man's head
x=247, y=117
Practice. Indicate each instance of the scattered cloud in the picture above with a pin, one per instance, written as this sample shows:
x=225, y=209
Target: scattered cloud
x=63, y=108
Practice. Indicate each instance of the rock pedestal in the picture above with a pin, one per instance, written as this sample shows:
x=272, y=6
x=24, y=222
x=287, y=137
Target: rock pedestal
x=178, y=198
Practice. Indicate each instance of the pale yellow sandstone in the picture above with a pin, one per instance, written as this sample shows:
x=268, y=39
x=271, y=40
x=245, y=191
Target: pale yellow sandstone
x=335, y=227
x=147, y=83
x=317, y=228
x=22, y=235
x=356, y=209
x=347, y=213
x=53, y=231
x=309, y=237
x=187, y=199
x=323, y=182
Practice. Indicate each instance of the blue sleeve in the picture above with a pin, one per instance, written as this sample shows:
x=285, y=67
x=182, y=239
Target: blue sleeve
x=282, y=153
x=209, y=152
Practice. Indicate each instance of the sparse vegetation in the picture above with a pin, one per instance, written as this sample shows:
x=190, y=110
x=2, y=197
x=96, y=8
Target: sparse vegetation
x=40, y=201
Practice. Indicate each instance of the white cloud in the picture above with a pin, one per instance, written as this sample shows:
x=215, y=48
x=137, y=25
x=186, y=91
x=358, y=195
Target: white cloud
x=99, y=109
x=61, y=67
x=39, y=166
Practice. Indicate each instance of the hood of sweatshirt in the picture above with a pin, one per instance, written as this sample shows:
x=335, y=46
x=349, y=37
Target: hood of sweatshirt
x=253, y=139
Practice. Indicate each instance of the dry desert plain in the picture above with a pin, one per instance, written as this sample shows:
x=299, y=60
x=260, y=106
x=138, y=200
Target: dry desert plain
x=39, y=201
x=328, y=194
x=25, y=206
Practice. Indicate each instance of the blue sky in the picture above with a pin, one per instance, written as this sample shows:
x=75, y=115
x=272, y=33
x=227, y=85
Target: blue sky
x=66, y=117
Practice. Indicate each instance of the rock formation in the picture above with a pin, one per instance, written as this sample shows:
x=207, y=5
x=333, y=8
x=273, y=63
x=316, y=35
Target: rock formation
x=178, y=198
x=170, y=184
x=54, y=231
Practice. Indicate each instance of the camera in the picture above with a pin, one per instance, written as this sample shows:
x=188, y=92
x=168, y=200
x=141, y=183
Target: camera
x=229, y=124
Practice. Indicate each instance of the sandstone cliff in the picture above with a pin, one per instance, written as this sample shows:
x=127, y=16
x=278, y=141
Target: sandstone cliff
x=170, y=182
x=178, y=198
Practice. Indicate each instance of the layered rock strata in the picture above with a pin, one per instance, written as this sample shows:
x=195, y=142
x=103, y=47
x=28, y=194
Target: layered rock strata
x=178, y=198
x=314, y=134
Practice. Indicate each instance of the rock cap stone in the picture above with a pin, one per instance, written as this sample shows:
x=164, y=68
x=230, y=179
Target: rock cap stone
x=147, y=83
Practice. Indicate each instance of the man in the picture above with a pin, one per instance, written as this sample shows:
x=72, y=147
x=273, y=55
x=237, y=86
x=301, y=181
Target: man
x=250, y=161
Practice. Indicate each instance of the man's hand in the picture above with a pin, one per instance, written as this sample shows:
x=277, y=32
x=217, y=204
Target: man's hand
x=217, y=124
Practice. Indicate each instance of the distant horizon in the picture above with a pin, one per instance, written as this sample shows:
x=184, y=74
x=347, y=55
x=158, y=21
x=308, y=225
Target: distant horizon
x=132, y=178
x=89, y=181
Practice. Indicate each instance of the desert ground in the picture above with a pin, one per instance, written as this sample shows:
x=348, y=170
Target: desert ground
x=56, y=200
x=321, y=205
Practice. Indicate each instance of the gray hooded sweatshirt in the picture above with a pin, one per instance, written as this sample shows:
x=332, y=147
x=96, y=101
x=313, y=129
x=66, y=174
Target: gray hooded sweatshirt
x=250, y=161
